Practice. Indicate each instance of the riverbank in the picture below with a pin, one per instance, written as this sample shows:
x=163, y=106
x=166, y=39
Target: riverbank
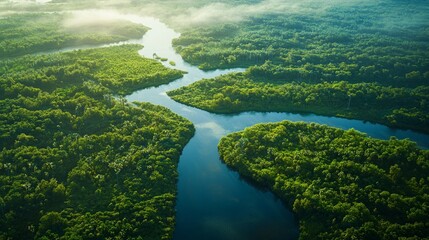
x=395, y=107
x=212, y=199
x=339, y=183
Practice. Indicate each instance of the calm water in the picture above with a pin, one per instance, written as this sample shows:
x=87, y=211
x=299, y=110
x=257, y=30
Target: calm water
x=213, y=202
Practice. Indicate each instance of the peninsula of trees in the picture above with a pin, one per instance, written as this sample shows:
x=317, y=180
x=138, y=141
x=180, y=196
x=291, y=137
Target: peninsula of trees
x=348, y=61
x=340, y=184
x=78, y=163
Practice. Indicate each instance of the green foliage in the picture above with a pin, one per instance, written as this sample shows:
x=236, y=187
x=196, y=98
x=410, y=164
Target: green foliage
x=76, y=163
x=340, y=184
x=398, y=107
x=347, y=62
x=353, y=44
x=32, y=33
x=118, y=68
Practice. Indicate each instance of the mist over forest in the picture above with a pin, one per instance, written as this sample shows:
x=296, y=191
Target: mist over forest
x=143, y=119
x=184, y=13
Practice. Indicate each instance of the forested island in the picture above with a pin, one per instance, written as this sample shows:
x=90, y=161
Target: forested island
x=348, y=61
x=76, y=162
x=340, y=184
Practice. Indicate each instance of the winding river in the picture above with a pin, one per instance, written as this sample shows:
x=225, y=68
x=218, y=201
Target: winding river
x=213, y=201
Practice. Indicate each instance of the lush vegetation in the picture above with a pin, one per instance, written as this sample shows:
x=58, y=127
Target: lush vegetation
x=119, y=68
x=340, y=184
x=348, y=43
x=76, y=163
x=399, y=107
x=348, y=61
x=32, y=33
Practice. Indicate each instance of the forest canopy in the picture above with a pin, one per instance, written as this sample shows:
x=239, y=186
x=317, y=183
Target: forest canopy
x=119, y=68
x=340, y=184
x=406, y=108
x=347, y=61
x=78, y=163
x=22, y=34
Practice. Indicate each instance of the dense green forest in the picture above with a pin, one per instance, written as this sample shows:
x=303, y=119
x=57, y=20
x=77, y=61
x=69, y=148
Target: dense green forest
x=340, y=184
x=76, y=163
x=344, y=43
x=398, y=107
x=118, y=68
x=37, y=32
x=354, y=61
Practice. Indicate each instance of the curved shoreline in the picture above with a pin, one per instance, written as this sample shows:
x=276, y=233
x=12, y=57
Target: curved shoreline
x=302, y=112
x=213, y=201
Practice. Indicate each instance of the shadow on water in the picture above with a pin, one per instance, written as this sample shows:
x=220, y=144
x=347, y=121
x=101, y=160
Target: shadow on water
x=213, y=201
x=262, y=188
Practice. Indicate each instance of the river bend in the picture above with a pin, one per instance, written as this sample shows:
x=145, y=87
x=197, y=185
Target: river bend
x=213, y=201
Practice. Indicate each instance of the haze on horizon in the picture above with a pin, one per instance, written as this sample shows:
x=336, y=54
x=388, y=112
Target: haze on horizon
x=185, y=13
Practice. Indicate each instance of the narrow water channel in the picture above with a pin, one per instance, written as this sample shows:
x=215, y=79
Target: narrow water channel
x=213, y=202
